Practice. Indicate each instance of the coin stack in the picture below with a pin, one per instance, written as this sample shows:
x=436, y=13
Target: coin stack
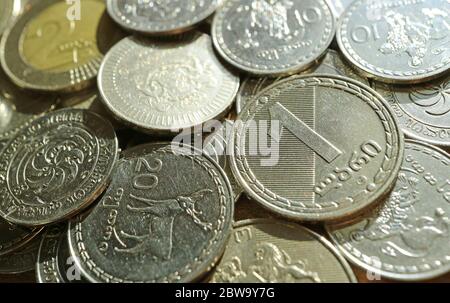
x=225, y=141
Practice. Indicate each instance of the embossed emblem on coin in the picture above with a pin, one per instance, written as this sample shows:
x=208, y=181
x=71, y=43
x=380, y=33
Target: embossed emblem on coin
x=312, y=160
x=56, y=166
x=21, y=261
x=406, y=237
x=273, y=37
x=270, y=251
x=165, y=218
x=397, y=41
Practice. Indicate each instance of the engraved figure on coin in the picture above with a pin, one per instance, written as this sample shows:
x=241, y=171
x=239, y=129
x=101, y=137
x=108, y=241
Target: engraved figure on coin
x=230, y=272
x=435, y=99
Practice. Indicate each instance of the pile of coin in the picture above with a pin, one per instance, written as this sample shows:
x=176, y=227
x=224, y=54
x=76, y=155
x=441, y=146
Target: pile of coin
x=224, y=141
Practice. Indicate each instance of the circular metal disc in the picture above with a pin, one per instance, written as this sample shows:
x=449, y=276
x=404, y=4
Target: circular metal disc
x=336, y=150
x=12, y=237
x=21, y=261
x=406, y=237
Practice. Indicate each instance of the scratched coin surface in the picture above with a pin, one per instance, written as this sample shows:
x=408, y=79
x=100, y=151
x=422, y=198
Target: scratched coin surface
x=21, y=261
x=13, y=236
x=56, y=166
x=164, y=86
x=46, y=50
x=397, y=41
x=270, y=251
x=166, y=217
x=156, y=17
x=407, y=237
x=273, y=37
x=423, y=111
x=299, y=148
x=331, y=64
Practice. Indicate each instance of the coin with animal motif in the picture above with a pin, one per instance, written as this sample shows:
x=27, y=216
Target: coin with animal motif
x=407, y=237
x=22, y=260
x=56, y=166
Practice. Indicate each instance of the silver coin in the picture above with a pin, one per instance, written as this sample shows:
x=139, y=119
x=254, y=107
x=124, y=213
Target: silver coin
x=21, y=261
x=158, y=17
x=270, y=251
x=397, y=41
x=339, y=6
x=407, y=237
x=331, y=64
x=12, y=237
x=56, y=166
x=159, y=87
x=423, y=111
x=273, y=37
x=165, y=218
x=300, y=150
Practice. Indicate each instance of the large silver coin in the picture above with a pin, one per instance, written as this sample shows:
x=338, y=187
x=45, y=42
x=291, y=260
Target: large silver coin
x=13, y=236
x=56, y=166
x=407, y=237
x=339, y=6
x=159, y=87
x=331, y=64
x=158, y=17
x=422, y=111
x=21, y=261
x=300, y=150
x=273, y=37
x=165, y=218
x=397, y=41
x=270, y=251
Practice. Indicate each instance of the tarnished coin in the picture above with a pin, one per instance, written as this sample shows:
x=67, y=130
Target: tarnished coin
x=331, y=64
x=159, y=87
x=422, y=111
x=408, y=236
x=23, y=260
x=300, y=150
x=273, y=37
x=397, y=41
x=12, y=237
x=166, y=217
x=156, y=17
x=270, y=251
x=56, y=166
x=339, y=6
x=54, y=46
x=9, y=10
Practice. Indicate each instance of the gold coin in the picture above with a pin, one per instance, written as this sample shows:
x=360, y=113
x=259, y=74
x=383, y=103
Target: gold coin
x=58, y=46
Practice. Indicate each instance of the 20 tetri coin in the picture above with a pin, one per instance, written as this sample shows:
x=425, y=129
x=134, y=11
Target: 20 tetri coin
x=21, y=261
x=422, y=111
x=397, y=41
x=56, y=166
x=339, y=6
x=407, y=237
x=12, y=237
x=9, y=10
x=52, y=48
x=299, y=148
x=165, y=218
x=270, y=251
x=273, y=37
x=331, y=64
x=157, y=17
x=159, y=87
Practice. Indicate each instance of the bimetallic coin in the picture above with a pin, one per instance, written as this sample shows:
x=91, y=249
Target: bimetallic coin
x=12, y=237
x=422, y=111
x=9, y=10
x=397, y=41
x=331, y=64
x=408, y=236
x=273, y=37
x=56, y=166
x=21, y=261
x=270, y=251
x=52, y=48
x=159, y=87
x=299, y=148
x=156, y=17
x=339, y=6
x=166, y=217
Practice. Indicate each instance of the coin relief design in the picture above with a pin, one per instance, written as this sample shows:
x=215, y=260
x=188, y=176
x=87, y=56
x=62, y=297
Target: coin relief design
x=267, y=37
x=156, y=223
x=397, y=42
x=406, y=237
x=56, y=166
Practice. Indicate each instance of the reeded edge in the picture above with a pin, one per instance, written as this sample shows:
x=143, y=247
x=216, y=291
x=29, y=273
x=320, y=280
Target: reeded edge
x=390, y=275
x=332, y=216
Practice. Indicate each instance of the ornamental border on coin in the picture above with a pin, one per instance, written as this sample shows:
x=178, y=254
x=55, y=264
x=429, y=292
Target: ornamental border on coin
x=377, y=73
x=10, y=201
x=206, y=261
x=158, y=28
x=384, y=179
x=46, y=263
x=271, y=70
x=26, y=76
x=412, y=272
